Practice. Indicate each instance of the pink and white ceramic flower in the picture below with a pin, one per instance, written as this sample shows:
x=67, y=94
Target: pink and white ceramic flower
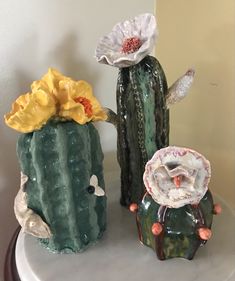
x=177, y=176
x=129, y=42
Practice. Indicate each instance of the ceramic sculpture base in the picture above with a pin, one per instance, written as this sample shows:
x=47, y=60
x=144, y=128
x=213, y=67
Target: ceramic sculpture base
x=119, y=255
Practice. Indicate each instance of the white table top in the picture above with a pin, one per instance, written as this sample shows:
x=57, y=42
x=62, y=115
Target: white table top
x=120, y=256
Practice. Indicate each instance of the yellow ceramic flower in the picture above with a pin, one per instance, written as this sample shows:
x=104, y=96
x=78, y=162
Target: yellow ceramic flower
x=31, y=111
x=50, y=82
x=54, y=95
x=75, y=98
x=77, y=102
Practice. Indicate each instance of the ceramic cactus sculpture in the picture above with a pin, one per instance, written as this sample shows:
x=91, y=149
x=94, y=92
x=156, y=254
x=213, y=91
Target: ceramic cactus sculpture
x=175, y=215
x=142, y=97
x=62, y=199
x=143, y=122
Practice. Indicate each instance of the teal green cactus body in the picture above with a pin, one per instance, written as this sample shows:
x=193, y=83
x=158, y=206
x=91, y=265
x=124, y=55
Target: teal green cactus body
x=59, y=160
x=179, y=237
x=142, y=123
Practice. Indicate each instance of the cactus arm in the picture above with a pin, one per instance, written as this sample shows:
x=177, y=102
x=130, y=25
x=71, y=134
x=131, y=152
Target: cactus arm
x=180, y=88
x=30, y=222
x=112, y=116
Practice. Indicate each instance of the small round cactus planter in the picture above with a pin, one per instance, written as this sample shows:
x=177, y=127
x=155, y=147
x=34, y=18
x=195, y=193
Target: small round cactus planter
x=62, y=197
x=175, y=215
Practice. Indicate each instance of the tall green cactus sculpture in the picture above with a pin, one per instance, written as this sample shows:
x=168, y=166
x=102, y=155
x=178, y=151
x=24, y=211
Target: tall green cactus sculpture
x=62, y=199
x=142, y=122
x=143, y=98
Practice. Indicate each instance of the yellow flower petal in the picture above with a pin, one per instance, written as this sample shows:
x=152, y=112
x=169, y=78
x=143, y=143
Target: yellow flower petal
x=30, y=112
x=76, y=113
x=49, y=81
x=54, y=95
x=69, y=102
x=65, y=90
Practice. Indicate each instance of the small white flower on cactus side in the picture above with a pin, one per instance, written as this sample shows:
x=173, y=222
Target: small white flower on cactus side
x=129, y=42
x=94, y=182
x=30, y=222
x=177, y=176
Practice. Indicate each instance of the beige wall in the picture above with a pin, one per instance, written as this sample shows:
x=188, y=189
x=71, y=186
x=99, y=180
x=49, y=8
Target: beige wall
x=202, y=34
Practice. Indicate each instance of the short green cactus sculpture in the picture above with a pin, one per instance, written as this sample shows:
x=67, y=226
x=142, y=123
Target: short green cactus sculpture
x=59, y=161
x=61, y=198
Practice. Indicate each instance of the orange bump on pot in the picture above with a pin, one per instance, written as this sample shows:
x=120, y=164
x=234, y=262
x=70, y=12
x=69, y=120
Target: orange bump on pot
x=204, y=233
x=217, y=209
x=133, y=207
x=156, y=228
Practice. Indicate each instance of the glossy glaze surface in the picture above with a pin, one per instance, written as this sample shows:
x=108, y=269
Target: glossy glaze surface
x=60, y=160
x=142, y=123
x=179, y=237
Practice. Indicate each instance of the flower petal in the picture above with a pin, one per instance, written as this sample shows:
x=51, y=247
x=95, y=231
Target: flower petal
x=192, y=167
x=77, y=114
x=99, y=191
x=30, y=112
x=94, y=180
x=109, y=48
x=51, y=79
x=69, y=108
x=54, y=95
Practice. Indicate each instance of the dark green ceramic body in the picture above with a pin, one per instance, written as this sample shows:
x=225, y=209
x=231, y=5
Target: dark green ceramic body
x=179, y=237
x=59, y=160
x=142, y=124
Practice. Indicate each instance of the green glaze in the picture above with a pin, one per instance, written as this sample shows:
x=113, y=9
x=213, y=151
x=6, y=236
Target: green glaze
x=142, y=123
x=59, y=160
x=179, y=237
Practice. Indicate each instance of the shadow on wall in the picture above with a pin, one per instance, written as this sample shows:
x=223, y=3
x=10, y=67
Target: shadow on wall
x=70, y=61
x=9, y=183
x=66, y=57
x=16, y=82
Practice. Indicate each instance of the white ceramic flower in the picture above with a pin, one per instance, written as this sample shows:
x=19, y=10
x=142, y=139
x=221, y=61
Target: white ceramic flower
x=177, y=176
x=98, y=191
x=129, y=42
x=30, y=222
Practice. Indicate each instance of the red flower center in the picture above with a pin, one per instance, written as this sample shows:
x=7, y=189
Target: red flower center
x=131, y=45
x=86, y=104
